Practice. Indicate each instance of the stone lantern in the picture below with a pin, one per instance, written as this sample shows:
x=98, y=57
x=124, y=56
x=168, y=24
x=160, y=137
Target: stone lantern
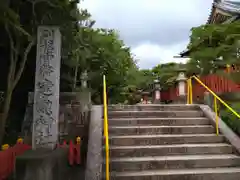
x=84, y=77
x=182, y=86
x=156, y=92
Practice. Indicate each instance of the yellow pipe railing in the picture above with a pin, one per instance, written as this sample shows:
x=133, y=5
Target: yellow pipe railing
x=189, y=93
x=106, y=125
x=190, y=99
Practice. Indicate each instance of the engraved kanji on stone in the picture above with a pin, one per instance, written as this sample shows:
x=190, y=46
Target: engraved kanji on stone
x=49, y=49
x=41, y=120
x=45, y=87
x=45, y=35
x=42, y=133
x=44, y=105
x=45, y=70
x=44, y=120
x=46, y=54
x=46, y=95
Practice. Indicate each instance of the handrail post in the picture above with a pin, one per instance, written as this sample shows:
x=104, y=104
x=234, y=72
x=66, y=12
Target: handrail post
x=216, y=114
x=189, y=93
x=106, y=126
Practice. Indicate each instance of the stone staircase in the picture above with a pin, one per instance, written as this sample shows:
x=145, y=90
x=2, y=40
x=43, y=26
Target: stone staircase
x=168, y=142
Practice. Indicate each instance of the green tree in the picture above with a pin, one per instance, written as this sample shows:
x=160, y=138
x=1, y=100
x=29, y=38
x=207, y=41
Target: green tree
x=213, y=46
x=98, y=51
x=80, y=42
x=167, y=73
x=20, y=20
x=113, y=59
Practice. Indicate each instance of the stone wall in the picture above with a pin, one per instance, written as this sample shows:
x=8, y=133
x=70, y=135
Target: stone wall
x=93, y=169
x=73, y=116
x=42, y=164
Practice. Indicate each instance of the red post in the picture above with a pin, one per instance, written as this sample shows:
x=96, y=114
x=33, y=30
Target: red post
x=71, y=153
x=64, y=144
x=78, y=151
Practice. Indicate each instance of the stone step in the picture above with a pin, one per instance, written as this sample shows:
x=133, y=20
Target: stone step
x=173, y=162
x=134, y=114
x=132, y=130
x=158, y=121
x=166, y=150
x=135, y=140
x=153, y=107
x=181, y=174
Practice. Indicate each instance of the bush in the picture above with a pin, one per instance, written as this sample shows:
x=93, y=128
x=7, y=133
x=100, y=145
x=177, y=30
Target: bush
x=230, y=119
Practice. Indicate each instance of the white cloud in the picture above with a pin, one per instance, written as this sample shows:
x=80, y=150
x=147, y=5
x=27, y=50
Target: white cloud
x=150, y=55
x=156, y=30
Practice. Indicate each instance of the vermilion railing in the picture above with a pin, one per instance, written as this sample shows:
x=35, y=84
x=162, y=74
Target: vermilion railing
x=9, y=154
x=216, y=83
x=8, y=157
x=216, y=98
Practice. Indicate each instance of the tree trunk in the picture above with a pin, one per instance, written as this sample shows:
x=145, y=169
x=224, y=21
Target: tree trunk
x=13, y=76
x=4, y=114
x=75, y=79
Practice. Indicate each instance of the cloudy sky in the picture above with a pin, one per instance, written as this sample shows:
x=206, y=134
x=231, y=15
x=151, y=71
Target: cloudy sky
x=156, y=30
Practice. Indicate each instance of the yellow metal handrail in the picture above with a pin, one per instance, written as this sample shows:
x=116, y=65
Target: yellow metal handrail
x=106, y=126
x=190, y=99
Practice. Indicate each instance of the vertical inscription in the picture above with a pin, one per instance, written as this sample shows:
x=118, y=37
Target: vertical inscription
x=46, y=93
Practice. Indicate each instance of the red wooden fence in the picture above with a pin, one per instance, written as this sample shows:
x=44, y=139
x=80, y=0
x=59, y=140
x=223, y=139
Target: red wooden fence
x=216, y=83
x=7, y=159
x=170, y=94
x=8, y=156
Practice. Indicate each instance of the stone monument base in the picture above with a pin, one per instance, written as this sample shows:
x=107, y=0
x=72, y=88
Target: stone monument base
x=42, y=164
x=157, y=101
x=181, y=100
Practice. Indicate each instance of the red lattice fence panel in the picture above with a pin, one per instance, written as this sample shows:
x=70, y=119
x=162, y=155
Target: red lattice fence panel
x=216, y=83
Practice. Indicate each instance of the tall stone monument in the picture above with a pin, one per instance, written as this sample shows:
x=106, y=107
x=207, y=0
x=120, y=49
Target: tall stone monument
x=182, y=86
x=46, y=93
x=157, y=92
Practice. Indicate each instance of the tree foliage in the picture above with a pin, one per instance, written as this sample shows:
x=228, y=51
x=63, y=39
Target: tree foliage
x=167, y=73
x=213, y=46
x=84, y=48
